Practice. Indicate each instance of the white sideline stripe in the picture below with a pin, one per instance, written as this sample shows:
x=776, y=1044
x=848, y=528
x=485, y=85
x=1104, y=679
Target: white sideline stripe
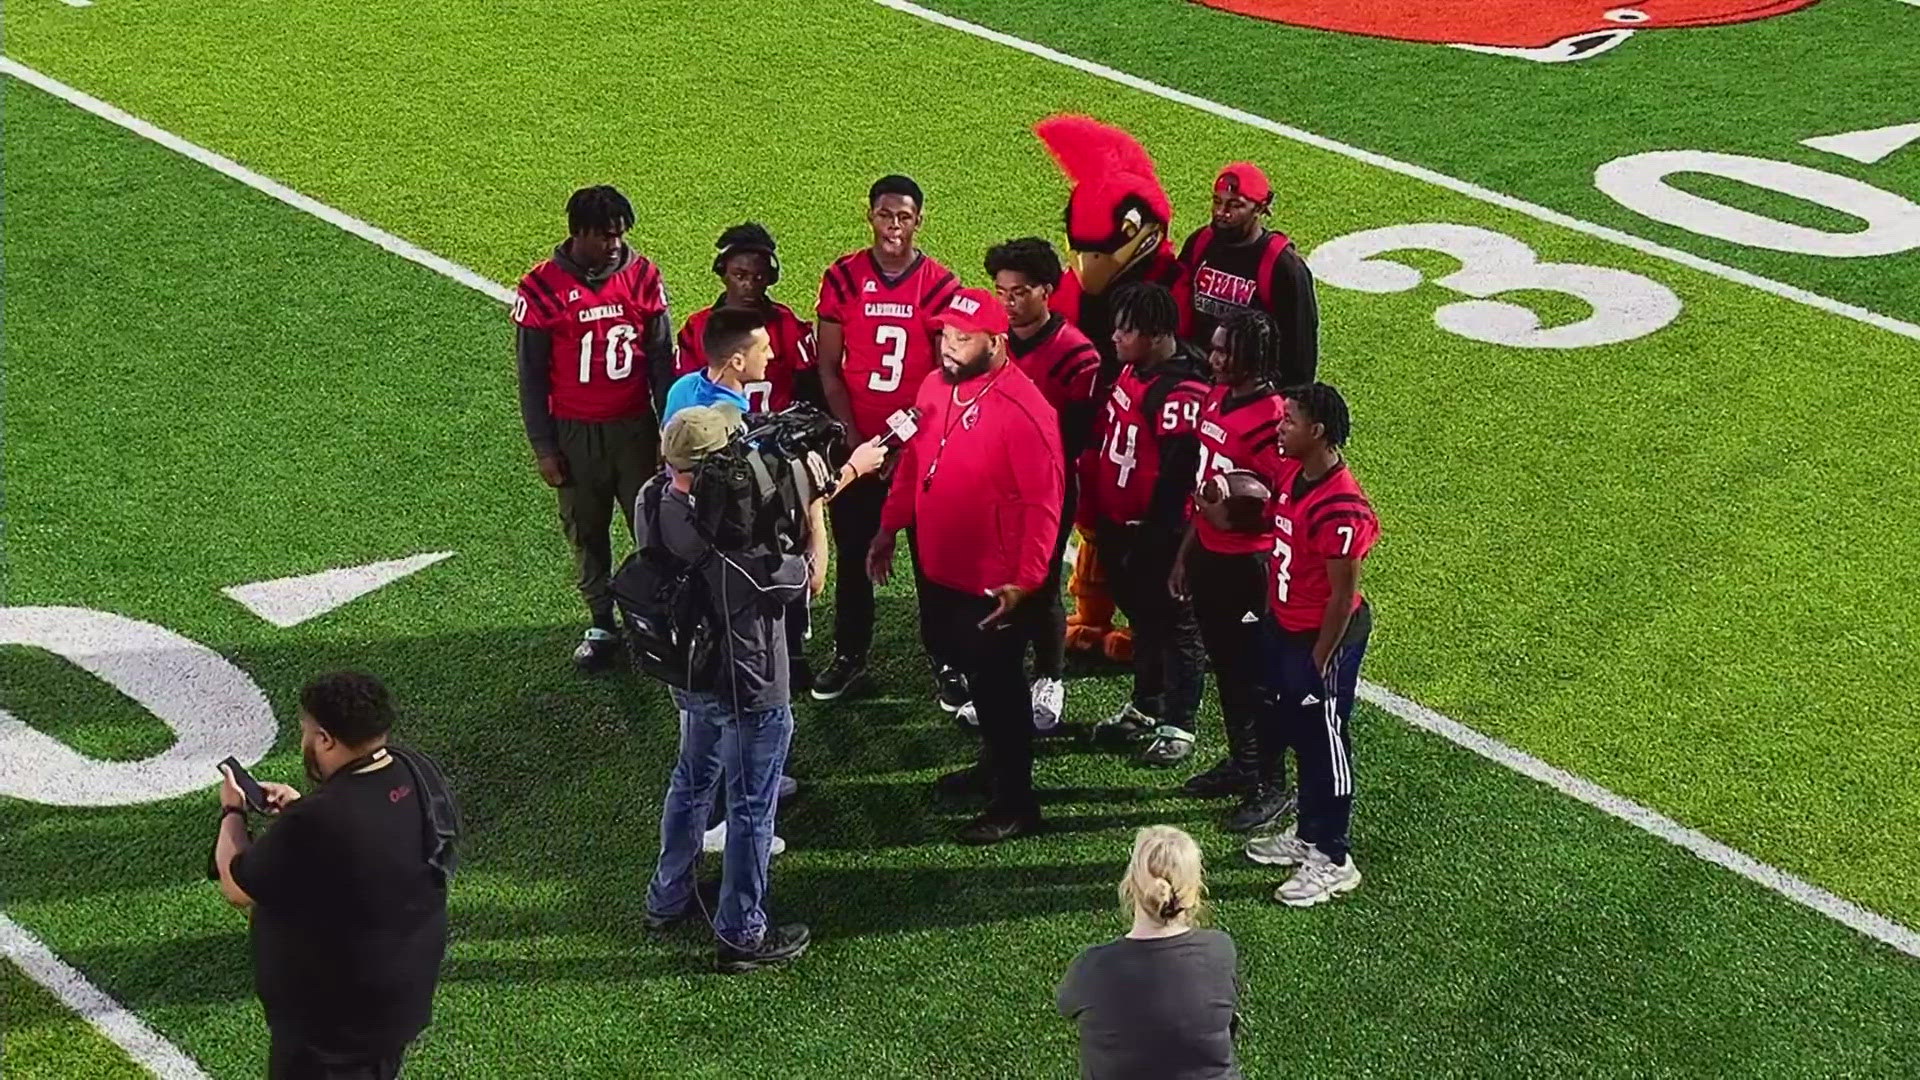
x=144, y=1045
x=1779, y=881
x=1845, y=912
x=230, y=168
x=1418, y=172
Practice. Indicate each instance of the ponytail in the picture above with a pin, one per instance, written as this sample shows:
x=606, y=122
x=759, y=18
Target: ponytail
x=1164, y=876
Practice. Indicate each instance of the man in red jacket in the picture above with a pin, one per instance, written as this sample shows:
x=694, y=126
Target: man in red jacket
x=981, y=483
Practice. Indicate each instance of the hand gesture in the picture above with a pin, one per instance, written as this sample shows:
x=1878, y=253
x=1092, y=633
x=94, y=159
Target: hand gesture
x=880, y=559
x=1009, y=597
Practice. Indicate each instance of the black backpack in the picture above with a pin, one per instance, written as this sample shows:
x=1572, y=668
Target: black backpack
x=662, y=605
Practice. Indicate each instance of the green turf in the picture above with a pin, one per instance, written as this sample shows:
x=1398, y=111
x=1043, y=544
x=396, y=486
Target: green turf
x=1538, y=130
x=42, y=1039
x=1653, y=618
x=1650, y=621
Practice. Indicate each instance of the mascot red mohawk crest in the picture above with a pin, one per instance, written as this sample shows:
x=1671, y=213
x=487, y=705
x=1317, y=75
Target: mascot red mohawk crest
x=1118, y=223
x=1118, y=219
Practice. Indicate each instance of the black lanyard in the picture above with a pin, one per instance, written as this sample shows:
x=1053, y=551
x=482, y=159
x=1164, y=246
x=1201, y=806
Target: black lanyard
x=954, y=416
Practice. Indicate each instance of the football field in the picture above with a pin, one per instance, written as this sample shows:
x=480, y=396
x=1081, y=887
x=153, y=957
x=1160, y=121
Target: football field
x=1632, y=344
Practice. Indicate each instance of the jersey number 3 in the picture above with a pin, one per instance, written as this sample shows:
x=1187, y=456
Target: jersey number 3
x=893, y=362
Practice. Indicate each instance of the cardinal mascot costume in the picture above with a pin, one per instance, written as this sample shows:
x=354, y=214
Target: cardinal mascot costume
x=1118, y=223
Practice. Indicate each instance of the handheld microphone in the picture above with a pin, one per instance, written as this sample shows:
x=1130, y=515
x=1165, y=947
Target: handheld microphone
x=901, y=426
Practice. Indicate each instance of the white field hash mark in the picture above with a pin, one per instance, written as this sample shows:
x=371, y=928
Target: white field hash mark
x=1418, y=172
x=144, y=1045
x=129, y=1033
x=289, y=601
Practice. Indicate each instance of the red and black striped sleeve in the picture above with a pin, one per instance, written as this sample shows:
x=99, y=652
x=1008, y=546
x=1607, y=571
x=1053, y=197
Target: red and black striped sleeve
x=1075, y=372
x=837, y=290
x=940, y=289
x=1342, y=525
x=536, y=306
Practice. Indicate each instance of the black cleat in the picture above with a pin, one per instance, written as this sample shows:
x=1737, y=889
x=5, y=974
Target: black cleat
x=1228, y=777
x=780, y=945
x=597, y=652
x=1262, y=809
x=953, y=689
x=997, y=825
x=1167, y=746
x=840, y=679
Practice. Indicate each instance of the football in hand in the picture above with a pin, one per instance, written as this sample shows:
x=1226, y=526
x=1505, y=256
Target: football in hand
x=1236, y=502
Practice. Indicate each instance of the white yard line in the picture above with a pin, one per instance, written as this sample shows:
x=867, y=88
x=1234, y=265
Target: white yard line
x=144, y=1045
x=228, y=167
x=1418, y=172
x=166, y=1060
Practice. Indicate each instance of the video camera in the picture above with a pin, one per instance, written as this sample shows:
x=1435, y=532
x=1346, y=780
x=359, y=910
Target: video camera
x=756, y=491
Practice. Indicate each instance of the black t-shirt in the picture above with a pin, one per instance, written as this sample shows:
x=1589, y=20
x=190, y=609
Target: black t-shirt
x=349, y=922
x=1155, y=1008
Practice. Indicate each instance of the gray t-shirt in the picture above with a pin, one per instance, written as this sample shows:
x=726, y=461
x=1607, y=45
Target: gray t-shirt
x=753, y=589
x=1156, y=1008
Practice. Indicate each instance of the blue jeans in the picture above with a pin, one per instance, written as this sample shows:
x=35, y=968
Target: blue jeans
x=751, y=749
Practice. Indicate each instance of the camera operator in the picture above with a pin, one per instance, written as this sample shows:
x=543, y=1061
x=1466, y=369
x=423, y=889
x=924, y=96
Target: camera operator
x=347, y=889
x=741, y=722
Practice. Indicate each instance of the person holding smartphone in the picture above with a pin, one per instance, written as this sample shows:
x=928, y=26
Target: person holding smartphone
x=346, y=889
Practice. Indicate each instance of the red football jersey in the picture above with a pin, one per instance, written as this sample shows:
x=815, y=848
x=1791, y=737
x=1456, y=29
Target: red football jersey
x=1243, y=434
x=887, y=326
x=1126, y=464
x=1329, y=520
x=792, y=354
x=1060, y=361
x=598, y=371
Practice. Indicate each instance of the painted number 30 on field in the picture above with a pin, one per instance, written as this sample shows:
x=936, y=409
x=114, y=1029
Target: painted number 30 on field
x=1624, y=305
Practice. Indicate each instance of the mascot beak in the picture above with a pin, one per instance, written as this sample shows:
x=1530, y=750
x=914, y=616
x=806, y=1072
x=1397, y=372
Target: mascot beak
x=1097, y=270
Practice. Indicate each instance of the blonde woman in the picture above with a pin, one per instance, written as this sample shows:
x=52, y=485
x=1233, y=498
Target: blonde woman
x=1159, y=1002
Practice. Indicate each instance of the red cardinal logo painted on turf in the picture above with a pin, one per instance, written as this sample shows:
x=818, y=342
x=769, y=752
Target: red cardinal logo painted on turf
x=1550, y=31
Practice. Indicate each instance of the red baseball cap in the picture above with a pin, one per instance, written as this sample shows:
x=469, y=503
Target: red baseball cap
x=1244, y=178
x=974, y=311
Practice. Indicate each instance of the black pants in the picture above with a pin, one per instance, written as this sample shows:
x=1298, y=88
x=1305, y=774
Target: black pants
x=290, y=1059
x=854, y=518
x=1047, y=609
x=1168, y=658
x=1230, y=604
x=994, y=662
x=1310, y=712
x=606, y=464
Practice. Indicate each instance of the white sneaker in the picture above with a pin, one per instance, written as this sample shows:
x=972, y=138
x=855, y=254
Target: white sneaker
x=1281, y=849
x=1049, y=702
x=715, y=842
x=1318, y=880
x=788, y=787
x=968, y=715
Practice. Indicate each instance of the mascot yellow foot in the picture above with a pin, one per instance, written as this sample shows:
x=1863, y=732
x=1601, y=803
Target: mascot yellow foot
x=1090, y=627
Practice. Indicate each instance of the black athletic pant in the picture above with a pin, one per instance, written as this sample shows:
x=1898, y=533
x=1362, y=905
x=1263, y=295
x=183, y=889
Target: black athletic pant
x=290, y=1059
x=1230, y=603
x=1310, y=712
x=606, y=464
x=854, y=519
x=1047, y=609
x=1168, y=658
x=994, y=662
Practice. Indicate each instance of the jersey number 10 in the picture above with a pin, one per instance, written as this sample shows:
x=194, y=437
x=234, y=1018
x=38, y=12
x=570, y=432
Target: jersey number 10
x=619, y=353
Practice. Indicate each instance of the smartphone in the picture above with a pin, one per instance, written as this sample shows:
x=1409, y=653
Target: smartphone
x=250, y=789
